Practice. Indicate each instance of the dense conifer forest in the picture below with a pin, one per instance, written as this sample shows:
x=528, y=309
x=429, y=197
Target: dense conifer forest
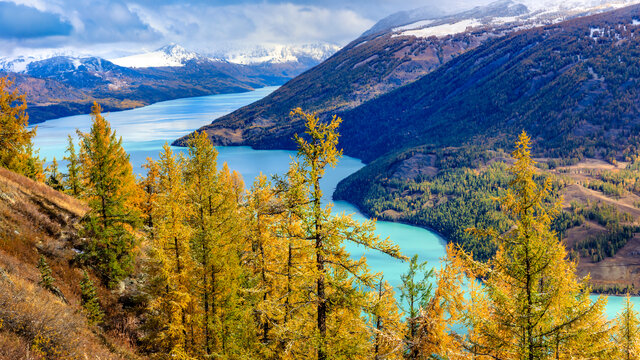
x=207, y=267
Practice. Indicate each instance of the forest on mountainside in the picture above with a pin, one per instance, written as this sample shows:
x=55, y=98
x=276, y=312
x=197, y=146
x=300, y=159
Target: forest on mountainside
x=187, y=263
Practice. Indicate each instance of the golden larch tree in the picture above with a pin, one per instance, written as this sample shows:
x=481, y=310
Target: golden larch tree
x=339, y=279
x=112, y=193
x=537, y=308
x=16, y=139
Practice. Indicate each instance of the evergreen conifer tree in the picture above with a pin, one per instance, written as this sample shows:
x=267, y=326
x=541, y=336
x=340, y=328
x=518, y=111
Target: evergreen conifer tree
x=415, y=293
x=46, y=276
x=112, y=193
x=90, y=300
x=54, y=178
x=73, y=177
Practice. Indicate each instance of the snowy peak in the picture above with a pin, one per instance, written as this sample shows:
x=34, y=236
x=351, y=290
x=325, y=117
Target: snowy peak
x=175, y=55
x=168, y=56
x=20, y=64
x=519, y=14
x=17, y=65
x=280, y=54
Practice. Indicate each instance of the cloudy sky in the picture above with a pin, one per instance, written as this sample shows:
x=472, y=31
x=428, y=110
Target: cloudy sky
x=119, y=27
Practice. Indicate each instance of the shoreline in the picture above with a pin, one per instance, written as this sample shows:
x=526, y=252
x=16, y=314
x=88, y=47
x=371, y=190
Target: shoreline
x=86, y=104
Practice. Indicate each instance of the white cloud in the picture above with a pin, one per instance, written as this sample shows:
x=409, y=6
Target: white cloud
x=120, y=27
x=252, y=23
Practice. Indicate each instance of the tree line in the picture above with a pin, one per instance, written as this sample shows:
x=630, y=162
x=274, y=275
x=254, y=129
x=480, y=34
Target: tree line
x=227, y=272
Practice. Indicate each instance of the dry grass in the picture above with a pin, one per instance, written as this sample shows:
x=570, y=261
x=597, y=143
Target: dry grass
x=36, y=220
x=13, y=347
x=41, y=193
x=52, y=329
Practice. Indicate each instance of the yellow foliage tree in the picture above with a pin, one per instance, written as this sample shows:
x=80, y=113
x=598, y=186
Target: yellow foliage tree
x=112, y=193
x=172, y=262
x=339, y=279
x=627, y=332
x=216, y=222
x=536, y=308
x=16, y=147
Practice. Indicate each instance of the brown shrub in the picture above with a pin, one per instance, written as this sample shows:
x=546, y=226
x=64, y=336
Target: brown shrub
x=13, y=347
x=52, y=329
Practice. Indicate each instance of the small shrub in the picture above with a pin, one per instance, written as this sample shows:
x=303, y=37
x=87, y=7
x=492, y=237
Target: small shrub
x=90, y=301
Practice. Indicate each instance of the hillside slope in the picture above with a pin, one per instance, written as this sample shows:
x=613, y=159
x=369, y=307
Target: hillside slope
x=573, y=86
x=394, y=53
x=35, y=323
x=436, y=147
x=370, y=66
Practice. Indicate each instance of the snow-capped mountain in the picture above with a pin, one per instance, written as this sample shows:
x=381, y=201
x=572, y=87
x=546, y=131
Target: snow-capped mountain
x=20, y=64
x=175, y=55
x=168, y=56
x=280, y=54
x=517, y=14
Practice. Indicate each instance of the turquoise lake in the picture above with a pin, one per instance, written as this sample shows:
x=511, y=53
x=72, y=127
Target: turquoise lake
x=145, y=130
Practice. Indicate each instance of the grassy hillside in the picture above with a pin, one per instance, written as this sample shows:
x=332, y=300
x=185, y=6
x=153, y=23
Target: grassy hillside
x=35, y=323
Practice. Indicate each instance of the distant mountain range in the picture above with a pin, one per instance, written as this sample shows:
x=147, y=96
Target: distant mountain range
x=307, y=55
x=64, y=84
x=395, y=52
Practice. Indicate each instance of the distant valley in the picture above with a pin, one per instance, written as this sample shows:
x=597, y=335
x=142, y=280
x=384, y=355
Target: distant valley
x=62, y=85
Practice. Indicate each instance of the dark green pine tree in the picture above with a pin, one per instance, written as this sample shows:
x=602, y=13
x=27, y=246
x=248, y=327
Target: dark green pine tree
x=415, y=293
x=46, y=276
x=54, y=177
x=72, y=179
x=90, y=300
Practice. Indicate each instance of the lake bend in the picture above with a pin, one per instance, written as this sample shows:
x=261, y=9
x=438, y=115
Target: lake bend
x=145, y=130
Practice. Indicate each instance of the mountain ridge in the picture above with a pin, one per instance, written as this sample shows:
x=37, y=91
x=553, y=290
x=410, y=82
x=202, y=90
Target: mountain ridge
x=371, y=66
x=67, y=84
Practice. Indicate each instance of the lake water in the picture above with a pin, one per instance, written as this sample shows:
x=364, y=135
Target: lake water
x=145, y=130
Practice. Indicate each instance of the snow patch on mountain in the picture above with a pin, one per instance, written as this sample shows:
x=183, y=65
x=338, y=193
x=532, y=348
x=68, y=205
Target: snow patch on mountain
x=573, y=5
x=524, y=14
x=279, y=54
x=416, y=25
x=443, y=30
x=168, y=56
